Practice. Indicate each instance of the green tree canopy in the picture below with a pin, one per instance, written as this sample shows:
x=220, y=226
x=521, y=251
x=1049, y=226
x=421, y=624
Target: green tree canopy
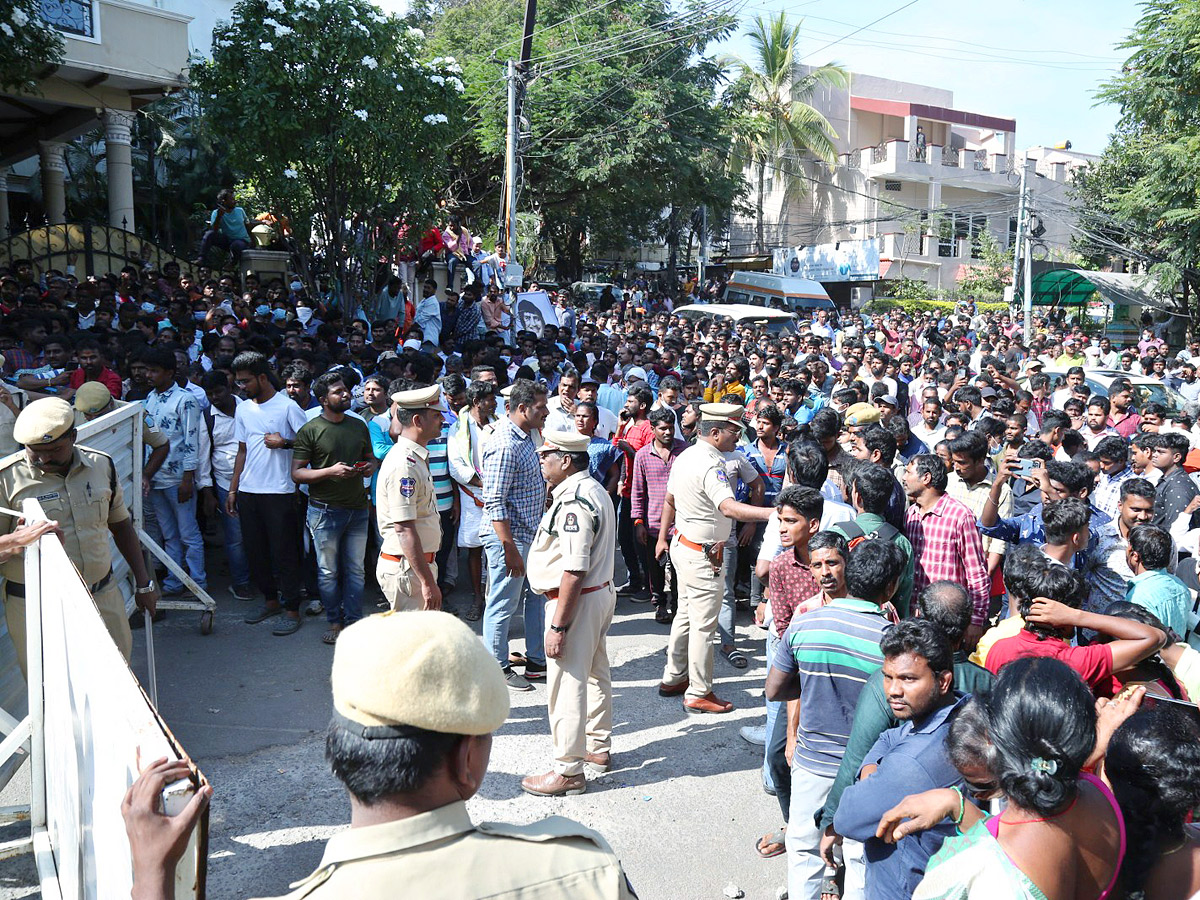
x=330, y=116
x=27, y=45
x=1143, y=198
x=622, y=132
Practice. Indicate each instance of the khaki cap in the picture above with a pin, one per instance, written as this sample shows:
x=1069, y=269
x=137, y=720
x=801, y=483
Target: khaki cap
x=92, y=397
x=722, y=412
x=421, y=669
x=421, y=398
x=43, y=421
x=862, y=414
x=564, y=441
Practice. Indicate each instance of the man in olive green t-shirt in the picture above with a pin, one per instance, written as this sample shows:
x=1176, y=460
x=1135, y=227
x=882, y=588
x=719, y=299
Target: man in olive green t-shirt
x=332, y=455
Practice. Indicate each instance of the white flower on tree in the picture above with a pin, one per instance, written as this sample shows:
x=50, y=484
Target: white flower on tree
x=370, y=62
x=436, y=119
x=361, y=113
x=266, y=45
x=291, y=173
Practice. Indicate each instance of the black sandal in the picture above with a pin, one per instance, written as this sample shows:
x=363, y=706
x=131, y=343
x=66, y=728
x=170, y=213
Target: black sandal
x=474, y=613
x=736, y=658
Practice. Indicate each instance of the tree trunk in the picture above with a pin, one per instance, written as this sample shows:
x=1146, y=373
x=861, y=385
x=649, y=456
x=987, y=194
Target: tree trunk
x=758, y=227
x=672, y=245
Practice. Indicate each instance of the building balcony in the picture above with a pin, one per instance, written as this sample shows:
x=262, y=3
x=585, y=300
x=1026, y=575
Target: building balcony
x=903, y=161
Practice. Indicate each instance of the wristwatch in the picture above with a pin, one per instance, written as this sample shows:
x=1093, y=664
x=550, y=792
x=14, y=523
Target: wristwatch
x=148, y=589
x=559, y=629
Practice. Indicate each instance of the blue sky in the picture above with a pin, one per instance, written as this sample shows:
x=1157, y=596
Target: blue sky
x=1031, y=60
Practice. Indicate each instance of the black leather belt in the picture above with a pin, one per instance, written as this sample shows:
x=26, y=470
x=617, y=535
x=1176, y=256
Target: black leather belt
x=17, y=589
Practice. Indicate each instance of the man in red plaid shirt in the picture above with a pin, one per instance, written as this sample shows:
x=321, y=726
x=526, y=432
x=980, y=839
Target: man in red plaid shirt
x=945, y=539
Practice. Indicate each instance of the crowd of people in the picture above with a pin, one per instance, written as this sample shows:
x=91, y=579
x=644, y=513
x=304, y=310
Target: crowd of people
x=972, y=570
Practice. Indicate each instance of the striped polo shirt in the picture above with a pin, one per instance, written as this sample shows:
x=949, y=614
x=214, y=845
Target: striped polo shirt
x=833, y=650
x=439, y=468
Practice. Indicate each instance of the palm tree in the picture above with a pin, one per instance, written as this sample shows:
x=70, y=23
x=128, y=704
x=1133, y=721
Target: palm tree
x=772, y=114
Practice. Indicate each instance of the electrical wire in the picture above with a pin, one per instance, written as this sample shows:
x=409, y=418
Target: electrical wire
x=857, y=30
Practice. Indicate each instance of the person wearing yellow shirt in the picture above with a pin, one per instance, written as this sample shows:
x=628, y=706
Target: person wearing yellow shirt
x=731, y=381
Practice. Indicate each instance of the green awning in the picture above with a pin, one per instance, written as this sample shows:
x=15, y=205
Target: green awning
x=1075, y=287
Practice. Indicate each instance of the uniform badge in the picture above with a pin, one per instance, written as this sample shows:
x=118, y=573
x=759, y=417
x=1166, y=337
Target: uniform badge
x=571, y=522
x=722, y=477
x=408, y=487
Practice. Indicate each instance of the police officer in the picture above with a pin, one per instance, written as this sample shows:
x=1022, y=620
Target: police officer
x=571, y=563
x=78, y=488
x=700, y=504
x=416, y=698
x=406, y=505
x=93, y=400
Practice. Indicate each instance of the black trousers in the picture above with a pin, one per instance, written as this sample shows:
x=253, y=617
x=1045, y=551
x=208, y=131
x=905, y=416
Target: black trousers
x=271, y=537
x=781, y=772
x=656, y=575
x=449, y=543
x=629, y=546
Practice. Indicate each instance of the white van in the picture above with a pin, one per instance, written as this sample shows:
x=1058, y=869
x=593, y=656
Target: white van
x=763, y=289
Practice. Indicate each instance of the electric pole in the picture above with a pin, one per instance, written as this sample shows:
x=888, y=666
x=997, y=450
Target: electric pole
x=703, y=254
x=515, y=76
x=1023, y=238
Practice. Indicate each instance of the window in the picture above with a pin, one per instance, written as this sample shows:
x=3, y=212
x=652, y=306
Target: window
x=73, y=17
x=892, y=186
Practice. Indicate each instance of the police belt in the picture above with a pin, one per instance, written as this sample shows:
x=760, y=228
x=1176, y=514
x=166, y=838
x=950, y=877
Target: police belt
x=17, y=589
x=429, y=557
x=714, y=554
x=552, y=593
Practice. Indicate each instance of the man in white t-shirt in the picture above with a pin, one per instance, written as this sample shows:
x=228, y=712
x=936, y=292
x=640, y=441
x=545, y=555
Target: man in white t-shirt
x=262, y=493
x=220, y=424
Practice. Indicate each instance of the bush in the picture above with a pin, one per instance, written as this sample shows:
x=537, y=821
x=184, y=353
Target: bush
x=912, y=306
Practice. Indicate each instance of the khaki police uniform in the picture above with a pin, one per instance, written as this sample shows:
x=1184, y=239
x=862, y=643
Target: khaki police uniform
x=85, y=503
x=578, y=534
x=440, y=678
x=93, y=396
x=699, y=484
x=405, y=493
x=441, y=853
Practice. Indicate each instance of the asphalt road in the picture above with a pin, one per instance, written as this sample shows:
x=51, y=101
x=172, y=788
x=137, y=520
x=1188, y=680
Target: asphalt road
x=682, y=805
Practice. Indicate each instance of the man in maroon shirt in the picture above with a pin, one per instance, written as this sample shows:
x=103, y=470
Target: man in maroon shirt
x=92, y=367
x=1050, y=623
x=648, y=490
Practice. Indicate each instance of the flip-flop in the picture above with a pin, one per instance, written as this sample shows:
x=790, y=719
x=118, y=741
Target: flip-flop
x=330, y=636
x=475, y=612
x=771, y=839
x=736, y=658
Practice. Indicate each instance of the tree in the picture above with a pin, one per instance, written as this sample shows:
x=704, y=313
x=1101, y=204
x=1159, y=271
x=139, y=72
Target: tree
x=620, y=119
x=1143, y=198
x=774, y=121
x=986, y=281
x=330, y=117
x=28, y=45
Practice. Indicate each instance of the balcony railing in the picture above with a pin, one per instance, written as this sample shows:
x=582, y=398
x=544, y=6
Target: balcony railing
x=73, y=17
x=879, y=154
x=950, y=158
x=981, y=161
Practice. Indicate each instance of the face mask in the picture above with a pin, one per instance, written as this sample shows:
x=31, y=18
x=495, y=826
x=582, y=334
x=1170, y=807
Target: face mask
x=279, y=315
x=262, y=310
x=199, y=315
x=148, y=307
x=229, y=329
x=304, y=314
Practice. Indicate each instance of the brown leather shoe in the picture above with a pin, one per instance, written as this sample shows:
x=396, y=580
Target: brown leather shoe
x=552, y=784
x=598, y=762
x=709, y=703
x=672, y=690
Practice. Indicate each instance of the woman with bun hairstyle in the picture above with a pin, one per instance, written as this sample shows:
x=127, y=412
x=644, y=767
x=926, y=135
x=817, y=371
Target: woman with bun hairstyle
x=1152, y=763
x=1060, y=836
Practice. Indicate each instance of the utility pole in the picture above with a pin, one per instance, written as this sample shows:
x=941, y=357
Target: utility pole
x=1022, y=227
x=515, y=76
x=703, y=254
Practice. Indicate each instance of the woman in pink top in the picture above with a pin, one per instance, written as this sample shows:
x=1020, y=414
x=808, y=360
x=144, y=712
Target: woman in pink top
x=457, y=241
x=1061, y=835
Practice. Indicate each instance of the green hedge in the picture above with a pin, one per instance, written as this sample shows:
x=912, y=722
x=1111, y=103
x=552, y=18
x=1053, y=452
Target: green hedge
x=886, y=304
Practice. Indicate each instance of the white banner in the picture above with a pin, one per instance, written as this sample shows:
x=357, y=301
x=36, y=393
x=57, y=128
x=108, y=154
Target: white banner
x=534, y=311
x=841, y=261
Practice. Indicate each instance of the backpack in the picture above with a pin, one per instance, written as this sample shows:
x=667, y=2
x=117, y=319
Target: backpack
x=855, y=534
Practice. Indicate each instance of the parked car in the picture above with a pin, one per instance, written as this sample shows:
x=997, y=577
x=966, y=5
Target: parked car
x=590, y=292
x=775, y=320
x=1147, y=390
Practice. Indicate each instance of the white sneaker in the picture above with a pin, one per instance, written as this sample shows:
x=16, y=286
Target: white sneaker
x=754, y=734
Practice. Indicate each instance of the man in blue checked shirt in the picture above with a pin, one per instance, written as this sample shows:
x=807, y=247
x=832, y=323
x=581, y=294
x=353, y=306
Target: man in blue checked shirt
x=173, y=410
x=514, y=498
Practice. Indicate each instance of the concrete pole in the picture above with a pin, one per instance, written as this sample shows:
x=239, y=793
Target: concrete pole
x=118, y=153
x=54, y=169
x=4, y=227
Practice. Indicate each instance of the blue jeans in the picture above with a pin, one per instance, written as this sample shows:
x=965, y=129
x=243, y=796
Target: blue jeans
x=235, y=553
x=775, y=709
x=181, y=535
x=340, y=541
x=503, y=595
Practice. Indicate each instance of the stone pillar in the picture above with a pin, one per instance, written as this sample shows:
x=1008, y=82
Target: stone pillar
x=54, y=169
x=4, y=226
x=119, y=164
